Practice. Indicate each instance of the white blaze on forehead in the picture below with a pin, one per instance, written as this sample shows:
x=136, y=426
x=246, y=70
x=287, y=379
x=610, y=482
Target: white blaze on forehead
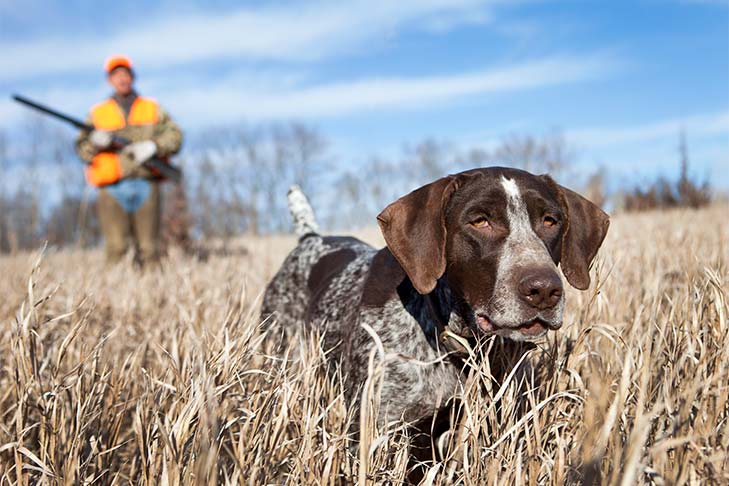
x=519, y=224
x=522, y=246
x=522, y=239
x=512, y=190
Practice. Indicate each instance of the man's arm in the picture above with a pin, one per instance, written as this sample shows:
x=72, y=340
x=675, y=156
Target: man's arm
x=167, y=135
x=84, y=148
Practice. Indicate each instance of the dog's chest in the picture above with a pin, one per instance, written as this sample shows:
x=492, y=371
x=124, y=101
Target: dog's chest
x=417, y=378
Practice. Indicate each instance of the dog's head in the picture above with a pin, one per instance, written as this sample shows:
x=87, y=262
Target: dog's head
x=496, y=236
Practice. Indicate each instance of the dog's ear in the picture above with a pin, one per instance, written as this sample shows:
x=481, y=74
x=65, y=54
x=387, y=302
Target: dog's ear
x=587, y=226
x=415, y=232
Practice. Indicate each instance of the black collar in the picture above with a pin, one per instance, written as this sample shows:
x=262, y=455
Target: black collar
x=432, y=312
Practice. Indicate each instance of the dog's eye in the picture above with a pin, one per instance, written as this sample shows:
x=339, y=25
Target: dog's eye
x=480, y=222
x=549, y=221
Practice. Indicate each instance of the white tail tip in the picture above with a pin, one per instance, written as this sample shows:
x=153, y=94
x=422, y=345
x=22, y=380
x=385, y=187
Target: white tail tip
x=301, y=212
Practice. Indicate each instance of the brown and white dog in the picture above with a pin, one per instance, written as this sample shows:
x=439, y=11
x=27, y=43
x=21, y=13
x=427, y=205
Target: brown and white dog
x=471, y=254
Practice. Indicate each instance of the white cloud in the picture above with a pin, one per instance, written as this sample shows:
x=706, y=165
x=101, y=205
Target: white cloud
x=696, y=125
x=291, y=33
x=227, y=103
x=254, y=96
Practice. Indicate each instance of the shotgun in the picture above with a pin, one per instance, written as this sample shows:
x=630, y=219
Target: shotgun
x=168, y=171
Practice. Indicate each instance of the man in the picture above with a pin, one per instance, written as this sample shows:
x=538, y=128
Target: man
x=128, y=205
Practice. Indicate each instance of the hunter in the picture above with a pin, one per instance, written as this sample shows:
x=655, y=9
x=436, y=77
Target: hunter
x=128, y=204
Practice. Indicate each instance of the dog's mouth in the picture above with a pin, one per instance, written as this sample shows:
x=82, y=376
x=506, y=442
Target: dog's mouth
x=530, y=329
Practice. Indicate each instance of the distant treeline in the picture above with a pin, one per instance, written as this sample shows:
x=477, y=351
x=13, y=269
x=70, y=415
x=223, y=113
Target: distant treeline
x=664, y=194
x=236, y=180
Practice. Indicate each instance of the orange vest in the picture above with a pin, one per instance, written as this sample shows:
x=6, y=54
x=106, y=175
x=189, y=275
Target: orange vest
x=105, y=167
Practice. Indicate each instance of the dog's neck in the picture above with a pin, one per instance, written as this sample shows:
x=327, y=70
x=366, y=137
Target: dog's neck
x=438, y=313
x=435, y=312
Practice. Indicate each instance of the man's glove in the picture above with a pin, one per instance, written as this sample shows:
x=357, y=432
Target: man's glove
x=101, y=139
x=141, y=151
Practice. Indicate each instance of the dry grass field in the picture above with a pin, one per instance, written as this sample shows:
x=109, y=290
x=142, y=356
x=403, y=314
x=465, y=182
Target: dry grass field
x=163, y=377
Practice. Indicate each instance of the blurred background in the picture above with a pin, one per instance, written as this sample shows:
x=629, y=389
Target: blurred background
x=361, y=102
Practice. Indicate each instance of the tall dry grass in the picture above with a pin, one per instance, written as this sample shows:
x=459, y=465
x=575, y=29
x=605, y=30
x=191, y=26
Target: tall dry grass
x=115, y=376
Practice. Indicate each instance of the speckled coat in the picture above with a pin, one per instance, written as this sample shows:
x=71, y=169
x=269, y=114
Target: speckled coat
x=316, y=279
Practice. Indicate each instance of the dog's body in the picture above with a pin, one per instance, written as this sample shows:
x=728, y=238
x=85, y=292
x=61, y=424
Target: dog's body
x=329, y=276
x=473, y=254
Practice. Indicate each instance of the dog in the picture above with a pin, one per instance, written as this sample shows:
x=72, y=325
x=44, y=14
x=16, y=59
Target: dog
x=470, y=255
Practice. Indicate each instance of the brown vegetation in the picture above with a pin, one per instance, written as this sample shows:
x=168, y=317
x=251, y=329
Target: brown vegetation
x=116, y=376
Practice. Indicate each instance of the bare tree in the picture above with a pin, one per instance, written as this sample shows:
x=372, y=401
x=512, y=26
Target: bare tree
x=595, y=187
x=549, y=154
x=429, y=159
x=348, y=199
x=242, y=175
x=690, y=193
x=307, y=148
x=475, y=157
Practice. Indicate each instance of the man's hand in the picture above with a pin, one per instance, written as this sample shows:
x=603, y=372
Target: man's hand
x=101, y=139
x=141, y=151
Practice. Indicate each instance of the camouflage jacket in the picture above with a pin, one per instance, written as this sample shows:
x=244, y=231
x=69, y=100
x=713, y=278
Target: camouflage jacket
x=165, y=134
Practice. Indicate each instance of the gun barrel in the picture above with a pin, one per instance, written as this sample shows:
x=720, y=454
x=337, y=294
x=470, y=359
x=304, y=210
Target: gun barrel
x=49, y=111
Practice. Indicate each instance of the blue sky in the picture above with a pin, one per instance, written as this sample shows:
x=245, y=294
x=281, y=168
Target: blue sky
x=619, y=79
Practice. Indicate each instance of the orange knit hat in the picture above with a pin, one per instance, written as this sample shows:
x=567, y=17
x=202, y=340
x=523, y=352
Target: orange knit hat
x=117, y=61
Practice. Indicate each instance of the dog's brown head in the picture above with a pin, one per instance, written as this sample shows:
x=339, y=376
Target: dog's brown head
x=497, y=235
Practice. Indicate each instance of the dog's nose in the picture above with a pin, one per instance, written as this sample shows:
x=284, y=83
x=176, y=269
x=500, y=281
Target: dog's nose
x=542, y=290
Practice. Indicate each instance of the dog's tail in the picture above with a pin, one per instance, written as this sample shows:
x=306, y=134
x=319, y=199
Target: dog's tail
x=301, y=212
